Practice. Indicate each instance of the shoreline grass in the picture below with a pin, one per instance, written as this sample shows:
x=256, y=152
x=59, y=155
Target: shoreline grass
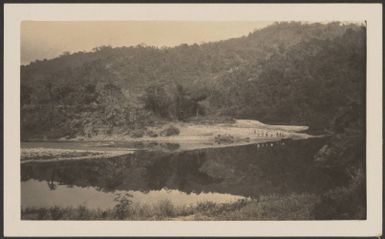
x=273, y=207
x=344, y=203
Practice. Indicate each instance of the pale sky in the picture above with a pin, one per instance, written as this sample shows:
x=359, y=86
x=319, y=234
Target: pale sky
x=41, y=40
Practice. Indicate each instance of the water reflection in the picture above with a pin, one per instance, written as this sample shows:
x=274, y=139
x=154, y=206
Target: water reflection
x=249, y=171
x=35, y=194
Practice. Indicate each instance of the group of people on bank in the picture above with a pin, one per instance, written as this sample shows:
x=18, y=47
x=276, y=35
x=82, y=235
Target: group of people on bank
x=268, y=134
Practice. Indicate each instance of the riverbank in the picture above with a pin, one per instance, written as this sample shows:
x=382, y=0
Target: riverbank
x=52, y=154
x=277, y=168
x=182, y=136
x=294, y=206
x=273, y=207
x=188, y=131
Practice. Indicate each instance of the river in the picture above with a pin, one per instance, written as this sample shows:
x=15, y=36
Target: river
x=217, y=175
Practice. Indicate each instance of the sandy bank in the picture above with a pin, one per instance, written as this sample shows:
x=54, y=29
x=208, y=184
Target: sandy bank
x=199, y=136
x=192, y=136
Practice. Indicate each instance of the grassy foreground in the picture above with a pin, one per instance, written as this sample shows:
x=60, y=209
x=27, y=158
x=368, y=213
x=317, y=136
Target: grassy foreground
x=343, y=203
x=290, y=207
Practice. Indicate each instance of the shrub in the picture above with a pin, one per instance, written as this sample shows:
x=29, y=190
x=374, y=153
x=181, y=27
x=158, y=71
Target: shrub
x=137, y=133
x=166, y=209
x=206, y=207
x=123, y=207
x=224, y=139
x=347, y=202
x=56, y=213
x=83, y=213
x=43, y=214
x=171, y=130
x=151, y=133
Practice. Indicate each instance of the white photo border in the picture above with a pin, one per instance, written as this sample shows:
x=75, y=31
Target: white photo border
x=14, y=14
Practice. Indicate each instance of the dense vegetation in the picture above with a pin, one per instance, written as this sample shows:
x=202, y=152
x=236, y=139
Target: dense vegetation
x=290, y=73
x=285, y=73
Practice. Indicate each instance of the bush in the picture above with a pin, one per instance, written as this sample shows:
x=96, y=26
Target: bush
x=171, y=130
x=137, y=133
x=347, y=202
x=224, y=139
x=83, y=213
x=123, y=207
x=206, y=207
x=166, y=209
x=56, y=213
x=151, y=133
x=43, y=214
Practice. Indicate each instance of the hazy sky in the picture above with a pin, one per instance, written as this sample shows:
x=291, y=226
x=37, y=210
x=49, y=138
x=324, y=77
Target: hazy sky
x=41, y=40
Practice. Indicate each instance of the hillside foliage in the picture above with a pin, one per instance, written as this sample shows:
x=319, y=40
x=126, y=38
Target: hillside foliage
x=288, y=72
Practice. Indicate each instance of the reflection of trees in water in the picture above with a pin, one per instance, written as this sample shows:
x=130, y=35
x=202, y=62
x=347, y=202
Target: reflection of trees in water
x=179, y=171
x=251, y=170
x=248, y=170
x=51, y=182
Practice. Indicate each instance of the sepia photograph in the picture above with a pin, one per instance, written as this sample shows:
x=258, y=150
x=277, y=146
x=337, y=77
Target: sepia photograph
x=193, y=120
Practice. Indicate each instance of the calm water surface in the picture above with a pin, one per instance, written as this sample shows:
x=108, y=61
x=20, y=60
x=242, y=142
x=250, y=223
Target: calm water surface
x=185, y=178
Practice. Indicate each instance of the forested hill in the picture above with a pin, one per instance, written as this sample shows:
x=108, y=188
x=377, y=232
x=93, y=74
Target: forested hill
x=310, y=74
